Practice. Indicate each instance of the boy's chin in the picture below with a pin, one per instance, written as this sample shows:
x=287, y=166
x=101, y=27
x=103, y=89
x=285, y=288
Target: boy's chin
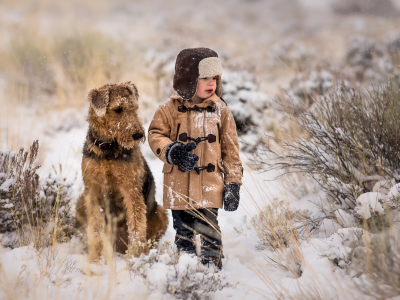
x=206, y=95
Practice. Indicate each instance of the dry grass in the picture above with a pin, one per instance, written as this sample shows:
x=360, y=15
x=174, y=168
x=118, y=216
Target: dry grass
x=276, y=229
x=36, y=210
x=61, y=66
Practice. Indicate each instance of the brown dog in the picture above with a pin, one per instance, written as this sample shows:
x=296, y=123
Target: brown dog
x=118, y=203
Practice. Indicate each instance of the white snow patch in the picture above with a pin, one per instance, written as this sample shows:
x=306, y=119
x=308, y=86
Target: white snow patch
x=369, y=203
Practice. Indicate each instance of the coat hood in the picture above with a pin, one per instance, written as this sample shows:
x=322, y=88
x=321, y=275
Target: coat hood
x=192, y=64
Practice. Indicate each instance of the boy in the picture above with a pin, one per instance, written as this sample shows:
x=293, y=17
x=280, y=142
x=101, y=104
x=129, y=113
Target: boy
x=194, y=134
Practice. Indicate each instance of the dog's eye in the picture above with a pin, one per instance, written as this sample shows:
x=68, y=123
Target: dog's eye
x=118, y=110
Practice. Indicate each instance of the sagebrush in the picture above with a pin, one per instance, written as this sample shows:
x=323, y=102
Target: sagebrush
x=31, y=207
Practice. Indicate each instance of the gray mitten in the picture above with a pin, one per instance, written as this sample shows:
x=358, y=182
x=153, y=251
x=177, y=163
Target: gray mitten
x=231, y=196
x=179, y=154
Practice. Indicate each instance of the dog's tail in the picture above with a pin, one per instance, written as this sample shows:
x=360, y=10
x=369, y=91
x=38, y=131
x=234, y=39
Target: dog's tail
x=157, y=223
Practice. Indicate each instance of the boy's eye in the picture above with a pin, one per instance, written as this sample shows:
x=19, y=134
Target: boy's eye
x=118, y=110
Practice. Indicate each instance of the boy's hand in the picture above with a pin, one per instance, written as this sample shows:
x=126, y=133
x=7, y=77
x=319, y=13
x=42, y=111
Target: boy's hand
x=178, y=154
x=231, y=196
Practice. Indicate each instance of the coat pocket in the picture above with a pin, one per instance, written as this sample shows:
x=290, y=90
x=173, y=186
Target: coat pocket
x=167, y=168
x=220, y=166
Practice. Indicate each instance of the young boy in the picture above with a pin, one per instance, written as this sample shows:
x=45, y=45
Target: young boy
x=194, y=134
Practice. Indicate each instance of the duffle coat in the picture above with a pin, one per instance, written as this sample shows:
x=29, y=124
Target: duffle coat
x=212, y=124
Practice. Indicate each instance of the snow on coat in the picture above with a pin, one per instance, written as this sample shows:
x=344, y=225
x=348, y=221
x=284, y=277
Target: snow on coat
x=219, y=161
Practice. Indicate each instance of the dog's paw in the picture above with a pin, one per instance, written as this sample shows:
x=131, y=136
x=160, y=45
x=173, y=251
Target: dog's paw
x=132, y=251
x=137, y=248
x=94, y=268
x=94, y=258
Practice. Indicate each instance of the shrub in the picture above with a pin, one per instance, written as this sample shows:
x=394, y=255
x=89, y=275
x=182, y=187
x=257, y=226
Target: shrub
x=351, y=143
x=276, y=229
x=373, y=7
x=292, y=54
x=31, y=210
x=246, y=102
x=182, y=276
x=371, y=60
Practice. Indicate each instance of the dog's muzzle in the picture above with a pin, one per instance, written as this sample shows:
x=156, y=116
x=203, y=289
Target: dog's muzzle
x=137, y=136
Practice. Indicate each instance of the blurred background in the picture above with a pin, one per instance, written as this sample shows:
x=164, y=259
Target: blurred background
x=53, y=52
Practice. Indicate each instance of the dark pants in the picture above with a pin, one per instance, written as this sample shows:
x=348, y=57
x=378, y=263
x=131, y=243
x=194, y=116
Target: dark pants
x=203, y=222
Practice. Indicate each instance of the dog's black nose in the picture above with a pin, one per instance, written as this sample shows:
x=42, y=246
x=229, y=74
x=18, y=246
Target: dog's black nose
x=137, y=136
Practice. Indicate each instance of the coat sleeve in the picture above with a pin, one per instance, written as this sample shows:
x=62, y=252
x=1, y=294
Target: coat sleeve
x=159, y=132
x=230, y=148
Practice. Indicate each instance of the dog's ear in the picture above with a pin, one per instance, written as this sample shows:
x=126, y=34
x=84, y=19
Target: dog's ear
x=99, y=100
x=132, y=89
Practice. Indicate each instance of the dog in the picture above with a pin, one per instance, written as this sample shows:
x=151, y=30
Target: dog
x=118, y=203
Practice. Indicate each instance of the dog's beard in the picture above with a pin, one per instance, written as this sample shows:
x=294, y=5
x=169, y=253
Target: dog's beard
x=128, y=142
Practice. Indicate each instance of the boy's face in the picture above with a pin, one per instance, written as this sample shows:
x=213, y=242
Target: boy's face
x=206, y=87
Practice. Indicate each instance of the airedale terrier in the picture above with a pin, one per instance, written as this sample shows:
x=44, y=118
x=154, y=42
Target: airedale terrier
x=119, y=189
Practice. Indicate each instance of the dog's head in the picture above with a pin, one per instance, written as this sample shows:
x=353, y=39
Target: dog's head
x=113, y=114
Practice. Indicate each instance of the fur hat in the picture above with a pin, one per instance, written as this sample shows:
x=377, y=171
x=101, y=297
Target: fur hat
x=192, y=64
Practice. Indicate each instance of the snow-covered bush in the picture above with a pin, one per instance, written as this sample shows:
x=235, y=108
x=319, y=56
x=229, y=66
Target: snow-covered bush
x=352, y=143
x=392, y=45
x=371, y=260
x=291, y=53
x=373, y=7
x=18, y=183
x=368, y=61
x=313, y=83
x=347, y=249
x=180, y=276
x=30, y=207
x=162, y=66
x=246, y=102
x=373, y=61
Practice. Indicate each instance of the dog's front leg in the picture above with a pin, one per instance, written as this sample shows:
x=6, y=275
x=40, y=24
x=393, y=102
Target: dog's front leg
x=136, y=221
x=96, y=226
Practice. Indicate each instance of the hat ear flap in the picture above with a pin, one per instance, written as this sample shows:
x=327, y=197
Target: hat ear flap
x=218, y=90
x=132, y=89
x=99, y=100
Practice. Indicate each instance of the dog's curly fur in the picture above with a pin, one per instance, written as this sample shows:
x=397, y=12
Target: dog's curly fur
x=119, y=192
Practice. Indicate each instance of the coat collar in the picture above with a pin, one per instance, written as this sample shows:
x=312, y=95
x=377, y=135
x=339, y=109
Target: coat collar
x=214, y=99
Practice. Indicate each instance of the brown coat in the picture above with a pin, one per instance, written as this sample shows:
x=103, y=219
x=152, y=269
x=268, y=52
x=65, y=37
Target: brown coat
x=190, y=190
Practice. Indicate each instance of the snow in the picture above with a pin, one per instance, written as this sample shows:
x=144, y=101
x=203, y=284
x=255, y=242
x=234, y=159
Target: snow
x=369, y=203
x=5, y=186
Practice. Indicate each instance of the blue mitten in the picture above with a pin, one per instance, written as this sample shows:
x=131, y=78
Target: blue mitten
x=231, y=196
x=179, y=154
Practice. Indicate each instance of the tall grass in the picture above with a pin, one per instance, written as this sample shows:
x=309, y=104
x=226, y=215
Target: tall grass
x=62, y=66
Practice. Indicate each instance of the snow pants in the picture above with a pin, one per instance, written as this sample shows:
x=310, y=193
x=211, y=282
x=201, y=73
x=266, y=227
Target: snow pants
x=200, y=225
